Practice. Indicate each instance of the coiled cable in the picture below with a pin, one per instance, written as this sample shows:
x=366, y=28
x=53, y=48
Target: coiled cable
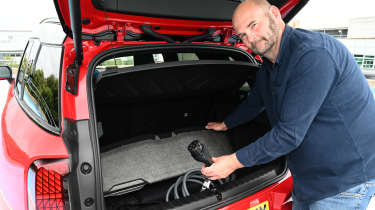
x=194, y=176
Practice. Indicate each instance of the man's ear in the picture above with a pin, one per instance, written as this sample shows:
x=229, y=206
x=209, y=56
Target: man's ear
x=275, y=11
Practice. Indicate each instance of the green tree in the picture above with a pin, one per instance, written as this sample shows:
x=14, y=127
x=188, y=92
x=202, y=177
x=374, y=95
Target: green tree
x=45, y=92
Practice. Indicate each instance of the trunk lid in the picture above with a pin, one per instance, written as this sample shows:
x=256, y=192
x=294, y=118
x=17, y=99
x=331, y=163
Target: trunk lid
x=191, y=17
x=161, y=20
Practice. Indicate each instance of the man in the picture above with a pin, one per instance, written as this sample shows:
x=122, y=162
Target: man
x=320, y=107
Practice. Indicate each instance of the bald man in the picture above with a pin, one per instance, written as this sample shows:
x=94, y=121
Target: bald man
x=319, y=105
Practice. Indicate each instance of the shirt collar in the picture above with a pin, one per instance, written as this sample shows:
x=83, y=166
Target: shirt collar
x=283, y=44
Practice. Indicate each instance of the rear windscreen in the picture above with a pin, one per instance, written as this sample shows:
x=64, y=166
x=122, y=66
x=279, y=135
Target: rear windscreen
x=219, y=10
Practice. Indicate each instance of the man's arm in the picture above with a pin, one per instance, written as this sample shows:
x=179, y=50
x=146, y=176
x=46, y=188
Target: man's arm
x=246, y=111
x=304, y=96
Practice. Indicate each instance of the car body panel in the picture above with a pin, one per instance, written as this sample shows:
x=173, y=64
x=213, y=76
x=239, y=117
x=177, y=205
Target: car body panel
x=278, y=196
x=23, y=142
x=99, y=20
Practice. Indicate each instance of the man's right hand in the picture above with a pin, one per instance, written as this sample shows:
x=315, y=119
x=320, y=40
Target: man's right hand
x=216, y=126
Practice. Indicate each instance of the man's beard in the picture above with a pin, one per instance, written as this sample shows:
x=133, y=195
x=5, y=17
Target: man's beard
x=270, y=40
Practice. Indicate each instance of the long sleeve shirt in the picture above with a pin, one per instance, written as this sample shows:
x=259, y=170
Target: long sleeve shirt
x=322, y=114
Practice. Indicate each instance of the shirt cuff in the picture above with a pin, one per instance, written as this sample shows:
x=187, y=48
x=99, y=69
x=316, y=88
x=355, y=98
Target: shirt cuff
x=230, y=123
x=244, y=157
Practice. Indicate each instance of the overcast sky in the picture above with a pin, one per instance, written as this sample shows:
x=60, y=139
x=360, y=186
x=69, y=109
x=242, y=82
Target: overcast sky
x=318, y=13
x=24, y=14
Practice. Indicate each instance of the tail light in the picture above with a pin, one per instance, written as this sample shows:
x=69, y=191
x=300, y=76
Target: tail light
x=46, y=186
x=49, y=191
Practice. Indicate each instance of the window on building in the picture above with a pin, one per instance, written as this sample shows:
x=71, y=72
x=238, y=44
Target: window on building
x=366, y=62
x=359, y=59
x=336, y=32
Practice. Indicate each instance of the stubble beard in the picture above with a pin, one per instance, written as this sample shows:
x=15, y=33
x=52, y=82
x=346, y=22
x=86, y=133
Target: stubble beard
x=270, y=39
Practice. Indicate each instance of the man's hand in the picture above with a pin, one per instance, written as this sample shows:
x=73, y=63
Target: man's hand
x=222, y=167
x=216, y=126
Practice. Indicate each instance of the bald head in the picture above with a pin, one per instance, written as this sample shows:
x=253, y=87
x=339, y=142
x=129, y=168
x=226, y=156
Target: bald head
x=259, y=3
x=260, y=26
x=261, y=6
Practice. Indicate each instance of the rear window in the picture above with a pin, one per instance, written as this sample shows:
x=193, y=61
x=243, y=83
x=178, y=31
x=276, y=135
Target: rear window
x=120, y=62
x=155, y=58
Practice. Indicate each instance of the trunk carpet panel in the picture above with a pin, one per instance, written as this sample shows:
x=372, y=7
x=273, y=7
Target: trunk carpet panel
x=156, y=160
x=150, y=82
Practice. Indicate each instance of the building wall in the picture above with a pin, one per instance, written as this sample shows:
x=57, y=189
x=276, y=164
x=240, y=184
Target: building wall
x=360, y=46
x=11, y=40
x=362, y=28
x=12, y=44
x=363, y=51
x=357, y=34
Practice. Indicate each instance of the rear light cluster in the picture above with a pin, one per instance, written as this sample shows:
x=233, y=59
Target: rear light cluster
x=49, y=191
x=45, y=185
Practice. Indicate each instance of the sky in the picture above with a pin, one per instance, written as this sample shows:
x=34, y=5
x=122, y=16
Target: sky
x=318, y=13
x=25, y=14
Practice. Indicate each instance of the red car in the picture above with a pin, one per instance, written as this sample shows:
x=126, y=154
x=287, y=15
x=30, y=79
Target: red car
x=107, y=99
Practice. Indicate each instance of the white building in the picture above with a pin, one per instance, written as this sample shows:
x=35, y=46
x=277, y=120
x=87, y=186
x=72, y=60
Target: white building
x=12, y=44
x=361, y=41
x=358, y=35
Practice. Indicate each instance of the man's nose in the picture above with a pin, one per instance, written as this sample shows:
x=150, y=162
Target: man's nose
x=251, y=37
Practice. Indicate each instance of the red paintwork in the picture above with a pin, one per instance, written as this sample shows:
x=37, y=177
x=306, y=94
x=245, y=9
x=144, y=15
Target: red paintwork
x=276, y=194
x=23, y=141
x=285, y=9
x=99, y=20
x=49, y=190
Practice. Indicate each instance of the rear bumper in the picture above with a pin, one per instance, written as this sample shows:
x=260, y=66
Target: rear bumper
x=278, y=196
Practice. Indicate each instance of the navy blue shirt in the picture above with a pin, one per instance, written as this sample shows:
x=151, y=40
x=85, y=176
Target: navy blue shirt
x=322, y=114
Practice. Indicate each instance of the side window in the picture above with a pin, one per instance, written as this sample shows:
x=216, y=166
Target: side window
x=187, y=57
x=42, y=85
x=118, y=62
x=27, y=62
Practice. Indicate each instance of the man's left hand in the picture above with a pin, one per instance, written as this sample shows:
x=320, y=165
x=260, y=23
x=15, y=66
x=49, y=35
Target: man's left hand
x=222, y=167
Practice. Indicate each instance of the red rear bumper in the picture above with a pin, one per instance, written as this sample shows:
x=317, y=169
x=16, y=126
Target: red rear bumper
x=277, y=195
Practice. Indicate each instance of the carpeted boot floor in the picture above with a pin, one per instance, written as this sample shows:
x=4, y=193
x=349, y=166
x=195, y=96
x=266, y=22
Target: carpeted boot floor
x=156, y=160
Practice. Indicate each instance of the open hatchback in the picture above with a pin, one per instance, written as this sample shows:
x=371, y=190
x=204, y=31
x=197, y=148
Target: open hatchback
x=140, y=80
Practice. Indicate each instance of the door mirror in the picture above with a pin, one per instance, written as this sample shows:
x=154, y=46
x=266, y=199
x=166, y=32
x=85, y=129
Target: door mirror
x=6, y=73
